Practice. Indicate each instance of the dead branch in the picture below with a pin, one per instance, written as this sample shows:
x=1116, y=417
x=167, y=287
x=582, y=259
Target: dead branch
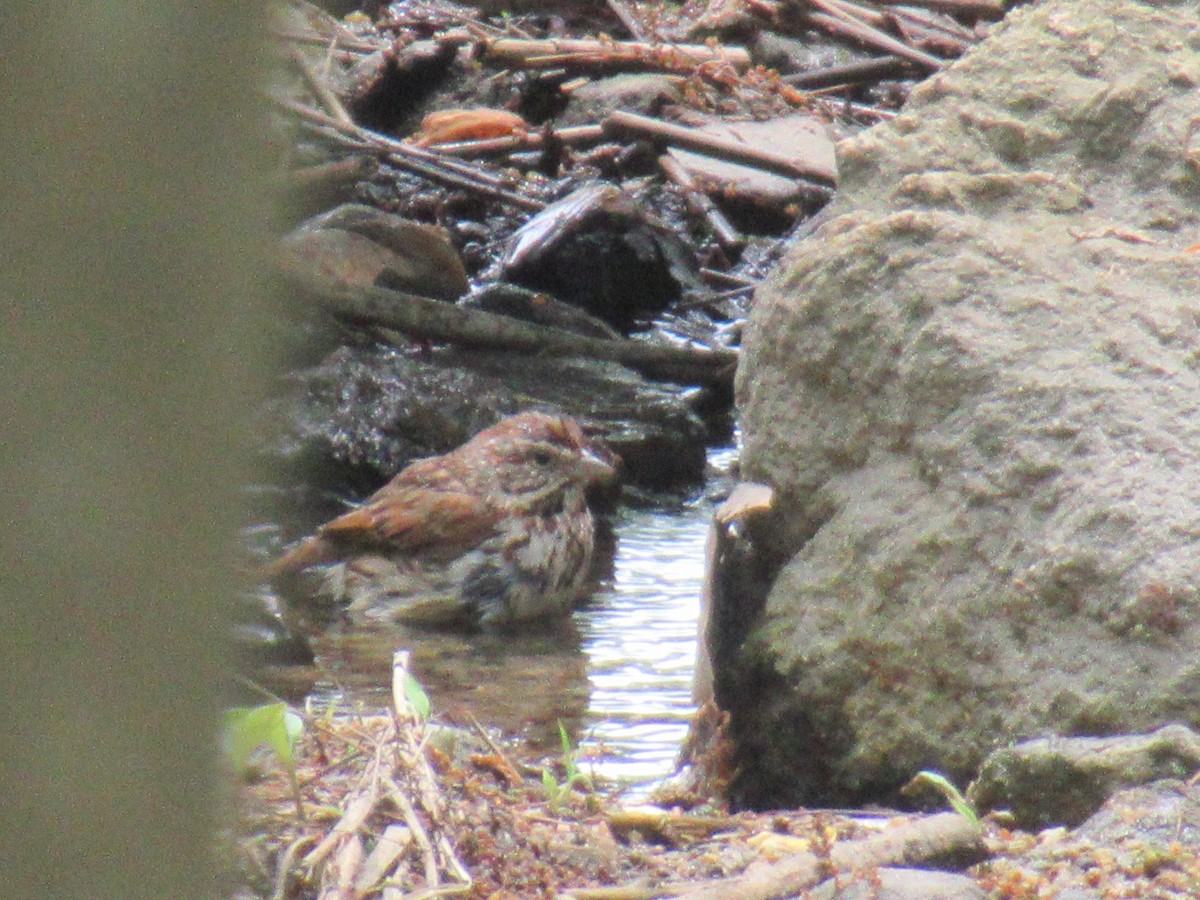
x=966, y=9
x=702, y=206
x=904, y=844
x=637, y=30
x=837, y=19
x=399, y=772
x=440, y=321
x=850, y=73
x=599, y=54
x=426, y=163
x=624, y=123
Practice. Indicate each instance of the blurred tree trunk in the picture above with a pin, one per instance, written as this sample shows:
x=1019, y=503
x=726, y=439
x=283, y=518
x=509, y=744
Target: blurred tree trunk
x=128, y=227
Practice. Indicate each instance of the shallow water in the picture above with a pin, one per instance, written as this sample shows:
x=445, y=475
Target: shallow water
x=618, y=674
x=639, y=637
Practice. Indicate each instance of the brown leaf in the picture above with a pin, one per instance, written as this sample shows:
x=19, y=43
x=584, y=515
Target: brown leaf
x=452, y=125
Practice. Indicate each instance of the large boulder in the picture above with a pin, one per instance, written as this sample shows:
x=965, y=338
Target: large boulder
x=975, y=390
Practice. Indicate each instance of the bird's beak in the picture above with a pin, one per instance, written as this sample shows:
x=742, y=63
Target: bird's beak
x=598, y=467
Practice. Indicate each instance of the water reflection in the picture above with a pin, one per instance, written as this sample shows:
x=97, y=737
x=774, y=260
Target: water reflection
x=639, y=636
x=520, y=683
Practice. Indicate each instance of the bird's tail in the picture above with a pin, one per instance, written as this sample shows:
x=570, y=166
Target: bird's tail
x=312, y=551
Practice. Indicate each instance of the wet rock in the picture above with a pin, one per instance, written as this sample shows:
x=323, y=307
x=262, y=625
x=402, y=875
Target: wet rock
x=361, y=245
x=974, y=391
x=736, y=582
x=598, y=249
x=1062, y=781
x=355, y=420
x=1142, y=843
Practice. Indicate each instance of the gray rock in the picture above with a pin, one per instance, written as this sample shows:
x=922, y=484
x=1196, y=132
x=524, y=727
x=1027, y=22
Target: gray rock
x=975, y=393
x=899, y=884
x=1062, y=781
x=600, y=249
x=801, y=137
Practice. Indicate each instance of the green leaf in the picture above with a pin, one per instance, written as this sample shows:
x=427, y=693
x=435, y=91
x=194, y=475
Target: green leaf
x=249, y=727
x=416, y=696
x=943, y=785
x=553, y=789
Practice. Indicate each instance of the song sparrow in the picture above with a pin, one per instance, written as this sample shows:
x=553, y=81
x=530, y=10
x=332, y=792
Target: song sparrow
x=495, y=532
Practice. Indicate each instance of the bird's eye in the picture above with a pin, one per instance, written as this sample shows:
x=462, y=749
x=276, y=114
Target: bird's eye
x=541, y=457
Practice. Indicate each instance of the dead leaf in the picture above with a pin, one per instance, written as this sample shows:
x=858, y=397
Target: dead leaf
x=453, y=125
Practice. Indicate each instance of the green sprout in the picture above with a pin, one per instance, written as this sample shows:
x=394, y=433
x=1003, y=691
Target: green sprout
x=418, y=700
x=274, y=724
x=559, y=792
x=953, y=795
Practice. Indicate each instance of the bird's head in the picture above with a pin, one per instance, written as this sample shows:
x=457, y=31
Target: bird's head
x=536, y=458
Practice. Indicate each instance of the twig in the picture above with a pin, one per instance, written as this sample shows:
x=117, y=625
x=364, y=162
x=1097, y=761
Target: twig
x=895, y=17
x=636, y=891
x=903, y=844
x=336, y=764
x=333, y=106
x=358, y=809
x=326, y=176
x=497, y=749
x=737, y=282
x=409, y=752
x=976, y=9
x=534, y=140
x=354, y=49
x=597, y=53
x=420, y=835
x=817, y=179
x=850, y=108
x=959, y=37
x=702, y=206
x=632, y=23
x=850, y=73
x=442, y=170
x=287, y=861
x=437, y=320
x=836, y=19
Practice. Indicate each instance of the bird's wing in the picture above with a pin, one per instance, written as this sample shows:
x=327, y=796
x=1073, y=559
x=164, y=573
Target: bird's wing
x=397, y=520
x=410, y=519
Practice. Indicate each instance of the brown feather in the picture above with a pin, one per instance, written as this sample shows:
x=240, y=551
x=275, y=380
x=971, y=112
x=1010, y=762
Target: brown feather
x=400, y=519
x=414, y=519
